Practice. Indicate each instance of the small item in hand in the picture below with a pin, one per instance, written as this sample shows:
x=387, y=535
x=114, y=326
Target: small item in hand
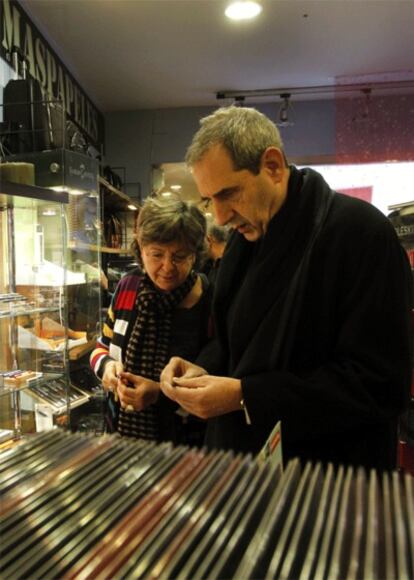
x=125, y=382
x=130, y=385
x=129, y=409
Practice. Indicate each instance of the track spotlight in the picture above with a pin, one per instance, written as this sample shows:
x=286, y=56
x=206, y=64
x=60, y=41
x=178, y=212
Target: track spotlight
x=239, y=101
x=283, y=116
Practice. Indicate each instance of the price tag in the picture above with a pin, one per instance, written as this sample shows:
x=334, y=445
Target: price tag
x=43, y=417
x=272, y=449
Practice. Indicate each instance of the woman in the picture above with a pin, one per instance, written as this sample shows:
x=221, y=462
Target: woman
x=158, y=310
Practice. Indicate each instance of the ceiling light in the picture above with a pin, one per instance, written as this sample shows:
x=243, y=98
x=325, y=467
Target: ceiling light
x=166, y=193
x=132, y=206
x=175, y=187
x=243, y=10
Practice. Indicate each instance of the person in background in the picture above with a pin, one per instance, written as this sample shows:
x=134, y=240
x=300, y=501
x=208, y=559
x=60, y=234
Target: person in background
x=217, y=237
x=158, y=310
x=311, y=307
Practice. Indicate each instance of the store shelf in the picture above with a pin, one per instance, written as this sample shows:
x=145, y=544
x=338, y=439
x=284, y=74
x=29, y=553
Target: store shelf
x=94, y=248
x=78, y=352
x=8, y=190
x=118, y=251
x=83, y=246
x=118, y=200
x=401, y=205
x=56, y=398
x=40, y=381
x=27, y=312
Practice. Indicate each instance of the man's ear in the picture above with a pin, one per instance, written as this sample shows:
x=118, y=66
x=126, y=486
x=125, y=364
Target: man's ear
x=273, y=163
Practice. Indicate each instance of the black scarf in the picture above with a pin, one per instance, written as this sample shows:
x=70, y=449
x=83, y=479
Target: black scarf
x=268, y=276
x=148, y=348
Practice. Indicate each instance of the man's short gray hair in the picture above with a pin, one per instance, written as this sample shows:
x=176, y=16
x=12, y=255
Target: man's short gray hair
x=244, y=132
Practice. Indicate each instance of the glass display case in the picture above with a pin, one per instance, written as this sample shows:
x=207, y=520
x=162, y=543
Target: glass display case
x=75, y=176
x=35, y=392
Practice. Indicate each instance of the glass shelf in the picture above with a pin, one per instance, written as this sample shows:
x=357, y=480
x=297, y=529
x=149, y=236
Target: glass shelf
x=29, y=312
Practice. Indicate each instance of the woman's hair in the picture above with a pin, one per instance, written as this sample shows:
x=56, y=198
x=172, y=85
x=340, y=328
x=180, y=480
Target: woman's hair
x=244, y=132
x=169, y=219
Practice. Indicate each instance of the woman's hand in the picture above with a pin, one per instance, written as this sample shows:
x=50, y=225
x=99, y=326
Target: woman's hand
x=110, y=375
x=140, y=394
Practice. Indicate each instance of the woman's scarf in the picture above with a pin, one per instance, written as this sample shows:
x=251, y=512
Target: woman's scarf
x=148, y=349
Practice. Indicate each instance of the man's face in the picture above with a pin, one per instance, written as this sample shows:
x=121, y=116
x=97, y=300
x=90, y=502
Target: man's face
x=240, y=199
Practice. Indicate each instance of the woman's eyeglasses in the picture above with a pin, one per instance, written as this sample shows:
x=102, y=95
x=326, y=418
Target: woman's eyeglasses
x=177, y=259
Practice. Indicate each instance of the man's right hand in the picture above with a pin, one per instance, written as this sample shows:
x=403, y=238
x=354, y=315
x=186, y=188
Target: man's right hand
x=179, y=367
x=110, y=375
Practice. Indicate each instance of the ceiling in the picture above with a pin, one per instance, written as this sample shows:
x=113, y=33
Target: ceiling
x=135, y=54
x=141, y=54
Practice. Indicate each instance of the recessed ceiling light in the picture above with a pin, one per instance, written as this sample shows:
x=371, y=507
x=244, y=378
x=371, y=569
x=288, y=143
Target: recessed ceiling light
x=175, y=187
x=243, y=10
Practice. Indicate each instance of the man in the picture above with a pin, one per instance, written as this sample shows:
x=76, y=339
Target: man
x=217, y=237
x=311, y=307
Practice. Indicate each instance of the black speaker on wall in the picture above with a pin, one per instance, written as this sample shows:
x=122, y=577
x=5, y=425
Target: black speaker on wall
x=27, y=123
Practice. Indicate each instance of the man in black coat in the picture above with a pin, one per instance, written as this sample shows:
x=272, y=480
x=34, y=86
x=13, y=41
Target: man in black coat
x=311, y=307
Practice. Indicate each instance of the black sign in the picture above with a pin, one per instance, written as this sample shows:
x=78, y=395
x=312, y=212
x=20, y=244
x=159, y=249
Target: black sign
x=44, y=65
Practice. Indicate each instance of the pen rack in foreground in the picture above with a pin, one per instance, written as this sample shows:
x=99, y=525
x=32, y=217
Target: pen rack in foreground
x=77, y=506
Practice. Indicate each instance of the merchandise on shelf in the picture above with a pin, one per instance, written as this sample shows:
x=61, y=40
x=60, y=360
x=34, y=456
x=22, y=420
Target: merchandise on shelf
x=105, y=507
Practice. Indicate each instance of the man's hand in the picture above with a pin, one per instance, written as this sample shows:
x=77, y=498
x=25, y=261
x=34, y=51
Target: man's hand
x=140, y=394
x=204, y=396
x=179, y=367
x=110, y=375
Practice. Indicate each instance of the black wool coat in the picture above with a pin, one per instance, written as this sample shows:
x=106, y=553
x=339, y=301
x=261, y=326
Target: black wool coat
x=331, y=360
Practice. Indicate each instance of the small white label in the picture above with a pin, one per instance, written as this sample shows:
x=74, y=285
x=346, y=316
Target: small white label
x=43, y=417
x=272, y=449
